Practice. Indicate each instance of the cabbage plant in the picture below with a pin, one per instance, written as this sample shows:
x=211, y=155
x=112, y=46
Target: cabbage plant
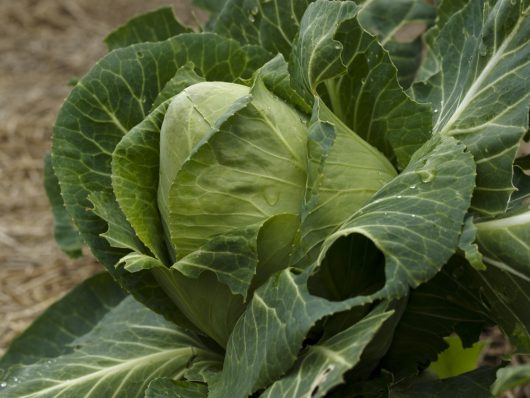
x=303, y=199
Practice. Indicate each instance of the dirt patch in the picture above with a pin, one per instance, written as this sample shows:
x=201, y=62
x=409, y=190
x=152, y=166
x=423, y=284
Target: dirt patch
x=44, y=44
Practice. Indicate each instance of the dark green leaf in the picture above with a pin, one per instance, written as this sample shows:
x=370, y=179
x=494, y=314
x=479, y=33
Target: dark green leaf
x=472, y=384
x=272, y=328
x=52, y=334
x=321, y=367
x=398, y=25
x=119, y=356
x=168, y=388
x=184, y=77
x=153, y=26
x=507, y=296
x=480, y=94
x=359, y=80
x=447, y=304
x=275, y=75
x=271, y=24
x=65, y=233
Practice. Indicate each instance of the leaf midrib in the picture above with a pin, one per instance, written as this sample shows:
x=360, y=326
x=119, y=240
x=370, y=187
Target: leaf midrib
x=116, y=369
x=475, y=87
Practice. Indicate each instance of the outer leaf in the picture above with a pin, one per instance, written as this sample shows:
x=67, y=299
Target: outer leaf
x=505, y=243
x=184, y=77
x=510, y=377
x=449, y=303
x=127, y=349
x=485, y=55
x=64, y=231
x=398, y=25
x=116, y=95
x=321, y=367
x=257, y=356
x=507, y=296
x=473, y=384
x=416, y=219
x=271, y=24
x=153, y=26
x=432, y=63
x=168, y=388
x=360, y=81
x=74, y=315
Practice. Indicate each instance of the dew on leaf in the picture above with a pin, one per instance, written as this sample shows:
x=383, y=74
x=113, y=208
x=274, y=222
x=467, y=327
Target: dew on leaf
x=3, y=384
x=426, y=175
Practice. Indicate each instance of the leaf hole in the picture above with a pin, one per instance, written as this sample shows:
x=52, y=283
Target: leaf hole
x=353, y=266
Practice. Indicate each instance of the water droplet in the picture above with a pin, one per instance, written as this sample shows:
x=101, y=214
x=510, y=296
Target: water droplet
x=254, y=10
x=140, y=54
x=338, y=46
x=15, y=379
x=144, y=99
x=272, y=196
x=3, y=384
x=413, y=215
x=426, y=175
x=363, y=80
x=435, y=111
x=251, y=18
x=413, y=186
